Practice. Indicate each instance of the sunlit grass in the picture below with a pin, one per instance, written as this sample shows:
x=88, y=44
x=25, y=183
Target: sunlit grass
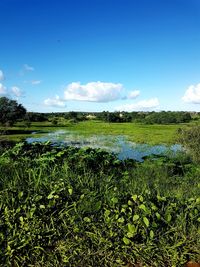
x=139, y=133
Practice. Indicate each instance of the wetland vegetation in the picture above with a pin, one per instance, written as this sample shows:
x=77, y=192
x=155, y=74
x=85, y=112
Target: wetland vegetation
x=83, y=206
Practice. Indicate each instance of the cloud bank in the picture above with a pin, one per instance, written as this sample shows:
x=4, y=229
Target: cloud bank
x=144, y=105
x=93, y=91
x=192, y=94
x=101, y=92
x=54, y=102
x=13, y=91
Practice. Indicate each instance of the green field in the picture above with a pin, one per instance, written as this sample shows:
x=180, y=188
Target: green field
x=139, y=133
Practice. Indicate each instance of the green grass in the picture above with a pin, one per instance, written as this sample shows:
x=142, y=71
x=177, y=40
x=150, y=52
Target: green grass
x=140, y=133
x=84, y=207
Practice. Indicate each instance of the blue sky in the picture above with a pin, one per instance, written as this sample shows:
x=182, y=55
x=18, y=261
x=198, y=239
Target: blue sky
x=95, y=55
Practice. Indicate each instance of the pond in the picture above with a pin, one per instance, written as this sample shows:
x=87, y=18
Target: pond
x=119, y=145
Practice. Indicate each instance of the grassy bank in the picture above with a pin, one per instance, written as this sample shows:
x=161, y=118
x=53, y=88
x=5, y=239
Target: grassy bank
x=83, y=207
x=139, y=133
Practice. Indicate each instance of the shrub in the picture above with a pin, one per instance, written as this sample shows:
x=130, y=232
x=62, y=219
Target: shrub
x=190, y=139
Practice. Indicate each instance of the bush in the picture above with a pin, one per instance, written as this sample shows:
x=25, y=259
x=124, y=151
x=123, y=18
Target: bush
x=190, y=139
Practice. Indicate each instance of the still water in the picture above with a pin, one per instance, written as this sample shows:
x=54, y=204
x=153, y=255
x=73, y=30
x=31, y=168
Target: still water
x=116, y=144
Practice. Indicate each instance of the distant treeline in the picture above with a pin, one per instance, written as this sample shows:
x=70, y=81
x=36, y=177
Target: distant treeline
x=11, y=111
x=163, y=117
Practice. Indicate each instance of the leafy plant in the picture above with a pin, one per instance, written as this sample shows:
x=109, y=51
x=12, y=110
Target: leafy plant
x=84, y=207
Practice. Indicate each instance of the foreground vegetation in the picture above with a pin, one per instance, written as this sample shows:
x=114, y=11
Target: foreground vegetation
x=84, y=207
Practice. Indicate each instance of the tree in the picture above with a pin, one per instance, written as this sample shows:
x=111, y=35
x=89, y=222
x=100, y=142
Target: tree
x=36, y=116
x=54, y=121
x=10, y=111
x=72, y=115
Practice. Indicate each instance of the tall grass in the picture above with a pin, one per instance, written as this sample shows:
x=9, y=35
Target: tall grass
x=84, y=207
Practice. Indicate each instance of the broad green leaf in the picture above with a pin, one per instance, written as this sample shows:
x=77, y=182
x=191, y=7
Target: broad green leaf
x=131, y=228
x=21, y=193
x=70, y=190
x=168, y=217
x=158, y=215
x=153, y=207
x=196, y=211
x=146, y=221
x=130, y=203
x=107, y=213
x=87, y=219
x=123, y=210
x=130, y=235
x=134, y=197
x=141, y=198
x=114, y=200
x=151, y=234
x=82, y=196
x=126, y=240
x=143, y=207
x=136, y=217
x=121, y=220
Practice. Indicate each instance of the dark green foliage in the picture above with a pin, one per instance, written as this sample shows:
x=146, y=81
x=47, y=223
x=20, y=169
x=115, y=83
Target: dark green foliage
x=163, y=117
x=36, y=117
x=54, y=121
x=167, y=117
x=75, y=116
x=115, y=116
x=10, y=111
x=84, y=207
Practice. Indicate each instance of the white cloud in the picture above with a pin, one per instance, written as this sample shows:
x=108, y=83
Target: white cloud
x=1, y=75
x=192, y=94
x=3, y=90
x=28, y=68
x=16, y=91
x=93, y=91
x=143, y=105
x=54, y=102
x=133, y=94
x=35, y=82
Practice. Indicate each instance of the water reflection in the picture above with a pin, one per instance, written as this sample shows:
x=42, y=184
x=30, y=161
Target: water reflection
x=117, y=144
